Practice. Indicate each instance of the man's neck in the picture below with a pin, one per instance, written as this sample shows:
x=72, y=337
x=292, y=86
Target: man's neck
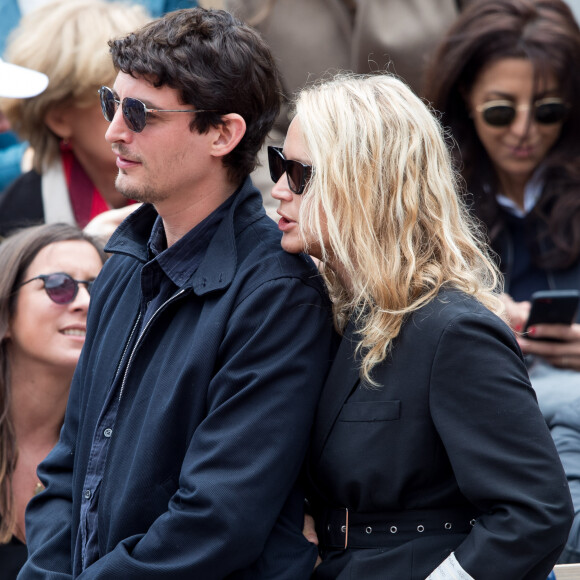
x=180, y=217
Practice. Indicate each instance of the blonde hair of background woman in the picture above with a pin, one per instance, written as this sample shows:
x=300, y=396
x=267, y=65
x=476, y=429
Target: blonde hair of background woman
x=385, y=190
x=66, y=40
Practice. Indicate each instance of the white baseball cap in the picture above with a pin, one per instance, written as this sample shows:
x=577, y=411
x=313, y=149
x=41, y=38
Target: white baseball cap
x=17, y=82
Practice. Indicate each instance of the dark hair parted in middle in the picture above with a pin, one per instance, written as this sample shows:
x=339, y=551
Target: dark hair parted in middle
x=545, y=33
x=215, y=62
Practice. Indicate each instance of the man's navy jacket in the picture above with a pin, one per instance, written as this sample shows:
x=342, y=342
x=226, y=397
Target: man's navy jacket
x=215, y=413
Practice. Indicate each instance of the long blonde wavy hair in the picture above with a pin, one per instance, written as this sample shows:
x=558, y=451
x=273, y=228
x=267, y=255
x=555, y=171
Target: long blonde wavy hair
x=385, y=198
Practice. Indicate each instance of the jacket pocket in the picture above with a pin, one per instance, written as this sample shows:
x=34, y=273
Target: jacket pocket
x=369, y=412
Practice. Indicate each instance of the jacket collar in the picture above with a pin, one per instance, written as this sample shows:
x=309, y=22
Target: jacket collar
x=218, y=266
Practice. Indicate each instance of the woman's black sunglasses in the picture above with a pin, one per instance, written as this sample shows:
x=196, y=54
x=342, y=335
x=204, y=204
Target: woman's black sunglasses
x=297, y=173
x=134, y=111
x=501, y=113
x=60, y=287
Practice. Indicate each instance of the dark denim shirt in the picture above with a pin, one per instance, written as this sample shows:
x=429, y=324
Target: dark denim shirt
x=167, y=270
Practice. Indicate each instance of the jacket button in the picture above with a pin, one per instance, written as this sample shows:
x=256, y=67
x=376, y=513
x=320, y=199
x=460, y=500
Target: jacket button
x=107, y=432
x=87, y=494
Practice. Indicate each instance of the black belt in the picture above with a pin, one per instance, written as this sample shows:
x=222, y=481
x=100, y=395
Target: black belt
x=338, y=528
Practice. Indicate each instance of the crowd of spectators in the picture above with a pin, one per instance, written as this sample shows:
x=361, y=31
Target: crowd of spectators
x=498, y=75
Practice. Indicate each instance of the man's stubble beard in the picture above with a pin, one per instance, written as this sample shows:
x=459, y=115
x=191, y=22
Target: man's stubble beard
x=144, y=194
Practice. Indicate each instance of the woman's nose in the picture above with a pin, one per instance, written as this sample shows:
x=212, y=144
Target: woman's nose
x=522, y=121
x=281, y=190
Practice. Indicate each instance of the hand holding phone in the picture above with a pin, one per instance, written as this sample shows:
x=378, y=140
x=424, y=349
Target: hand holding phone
x=553, y=307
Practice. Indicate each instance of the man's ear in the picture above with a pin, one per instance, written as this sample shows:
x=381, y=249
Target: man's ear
x=228, y=134
x=57, y=120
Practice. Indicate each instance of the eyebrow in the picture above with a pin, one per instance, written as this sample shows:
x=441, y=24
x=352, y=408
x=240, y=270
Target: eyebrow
x=493, y=94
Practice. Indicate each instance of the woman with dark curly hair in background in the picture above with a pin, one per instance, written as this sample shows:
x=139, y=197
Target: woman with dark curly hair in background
x=505, y=79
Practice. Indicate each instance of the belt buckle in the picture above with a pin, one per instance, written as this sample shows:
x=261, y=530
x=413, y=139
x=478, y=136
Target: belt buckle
x=344, y=528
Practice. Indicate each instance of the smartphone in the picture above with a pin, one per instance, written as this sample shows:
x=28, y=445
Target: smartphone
x=553, y=307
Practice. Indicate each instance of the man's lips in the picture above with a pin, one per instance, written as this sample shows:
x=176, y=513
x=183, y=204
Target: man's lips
x=125, y=162
x=124, y=159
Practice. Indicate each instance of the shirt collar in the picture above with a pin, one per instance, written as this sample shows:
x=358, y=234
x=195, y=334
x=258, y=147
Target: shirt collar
x=532, y=193
x=181, y=260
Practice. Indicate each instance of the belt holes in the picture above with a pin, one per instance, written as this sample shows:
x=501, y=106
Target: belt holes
x=472, y=522
x=393, y=529
x=368, y=530
x=343, y=529
x=448, y=526
x=420, y=528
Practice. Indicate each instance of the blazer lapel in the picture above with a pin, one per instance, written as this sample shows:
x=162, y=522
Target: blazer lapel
x=342, y=378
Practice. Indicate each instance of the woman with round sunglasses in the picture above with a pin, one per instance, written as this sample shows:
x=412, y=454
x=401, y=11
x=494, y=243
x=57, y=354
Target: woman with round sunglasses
x=47, y=273
x=505, y=81
x=429, y=457
x=73, y=171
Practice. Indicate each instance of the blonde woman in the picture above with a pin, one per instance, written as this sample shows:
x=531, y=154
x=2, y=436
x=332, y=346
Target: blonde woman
x=429, y=456
x=74, y=169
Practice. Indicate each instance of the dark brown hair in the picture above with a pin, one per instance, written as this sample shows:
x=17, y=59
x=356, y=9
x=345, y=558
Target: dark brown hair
x=17, y=252
x=215, y=62
x=545, y=32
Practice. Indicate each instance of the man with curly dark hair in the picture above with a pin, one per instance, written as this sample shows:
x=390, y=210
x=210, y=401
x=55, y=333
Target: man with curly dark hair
x=206, y=345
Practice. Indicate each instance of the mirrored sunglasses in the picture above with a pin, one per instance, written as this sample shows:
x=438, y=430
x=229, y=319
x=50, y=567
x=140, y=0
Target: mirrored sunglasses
x=134, y=111
x=501, y=113
x=60, y=287
x=298, y=174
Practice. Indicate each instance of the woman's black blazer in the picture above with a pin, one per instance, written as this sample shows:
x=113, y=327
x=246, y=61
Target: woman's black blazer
x=453, y=425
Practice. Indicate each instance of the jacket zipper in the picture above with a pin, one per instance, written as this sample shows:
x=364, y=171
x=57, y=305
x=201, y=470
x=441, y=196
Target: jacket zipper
x=153, y=316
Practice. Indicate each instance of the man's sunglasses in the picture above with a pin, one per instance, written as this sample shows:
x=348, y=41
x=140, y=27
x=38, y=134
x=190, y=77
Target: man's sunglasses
x=501, y=113
x=134, y=111
x=60, y=287
x=297, y=173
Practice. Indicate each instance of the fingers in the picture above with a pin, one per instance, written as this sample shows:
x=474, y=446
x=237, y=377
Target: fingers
x=516, y=312
x=561, y=332
x=562, y=361
x=309, y=533
x=562, y=354
x=309, y=530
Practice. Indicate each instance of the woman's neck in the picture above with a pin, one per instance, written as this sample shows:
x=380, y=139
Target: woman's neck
x=39, y=398
x=105, y=183
x=338, y=268
x=513, y=187
x=102, y=176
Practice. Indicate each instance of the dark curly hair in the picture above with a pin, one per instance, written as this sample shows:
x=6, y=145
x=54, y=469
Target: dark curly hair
x=545, y=32
x=215, y=62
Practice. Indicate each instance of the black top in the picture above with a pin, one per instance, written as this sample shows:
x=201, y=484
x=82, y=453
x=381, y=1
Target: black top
x=12, y=558
x=21, y=203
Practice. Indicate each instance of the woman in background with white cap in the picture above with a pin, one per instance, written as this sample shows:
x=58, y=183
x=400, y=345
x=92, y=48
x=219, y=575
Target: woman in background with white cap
x=73, y=177
x=19, y=83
